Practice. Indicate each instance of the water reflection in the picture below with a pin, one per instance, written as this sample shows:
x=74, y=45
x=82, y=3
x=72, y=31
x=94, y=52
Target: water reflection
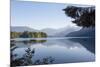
x=88, y=43
x=33, y=41
x=52, y=51
x=26, y=59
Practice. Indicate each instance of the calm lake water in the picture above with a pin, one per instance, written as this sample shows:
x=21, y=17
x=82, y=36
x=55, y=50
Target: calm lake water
x=52, y=51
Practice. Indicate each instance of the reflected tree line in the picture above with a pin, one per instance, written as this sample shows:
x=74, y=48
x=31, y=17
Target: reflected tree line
x=88, y=43
x=83, y=16
x=27, y=42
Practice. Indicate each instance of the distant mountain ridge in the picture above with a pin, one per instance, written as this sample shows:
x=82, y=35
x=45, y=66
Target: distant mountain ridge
x=22, y=29
x=84, y=32
x=62, y=32
x=49, y=31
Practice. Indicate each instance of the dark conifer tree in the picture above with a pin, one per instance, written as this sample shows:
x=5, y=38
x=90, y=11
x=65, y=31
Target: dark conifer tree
x=84, y=16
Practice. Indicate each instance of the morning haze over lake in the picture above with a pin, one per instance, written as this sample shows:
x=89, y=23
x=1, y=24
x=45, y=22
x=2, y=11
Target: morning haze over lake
x=51, y=33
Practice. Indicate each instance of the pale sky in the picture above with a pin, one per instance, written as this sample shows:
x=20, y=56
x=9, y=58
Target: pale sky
x=39, y=15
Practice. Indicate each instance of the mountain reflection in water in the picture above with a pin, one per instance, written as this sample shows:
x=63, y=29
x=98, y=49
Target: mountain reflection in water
x=53, y=51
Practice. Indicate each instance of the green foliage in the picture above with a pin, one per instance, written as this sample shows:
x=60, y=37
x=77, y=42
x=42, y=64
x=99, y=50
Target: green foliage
x=84, y=16
x=27, y=34
x=39, y=34
x=15, y=34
